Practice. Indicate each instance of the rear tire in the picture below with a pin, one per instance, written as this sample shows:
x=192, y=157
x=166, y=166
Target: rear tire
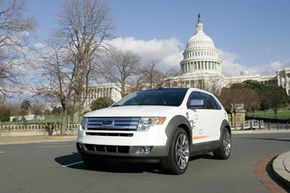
x=178, y=157
x=225, y=148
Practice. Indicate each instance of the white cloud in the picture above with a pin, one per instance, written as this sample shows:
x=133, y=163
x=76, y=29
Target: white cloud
x=231, y=68
x=273, y=67
x=229, y=65
x=166, y=52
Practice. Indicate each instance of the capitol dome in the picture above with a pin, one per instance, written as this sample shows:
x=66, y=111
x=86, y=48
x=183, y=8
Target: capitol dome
x=200, y=54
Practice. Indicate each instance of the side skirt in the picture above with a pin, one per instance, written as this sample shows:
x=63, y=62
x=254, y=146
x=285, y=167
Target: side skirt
x=204, y=147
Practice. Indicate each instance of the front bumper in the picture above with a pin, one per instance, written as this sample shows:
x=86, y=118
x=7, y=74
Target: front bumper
x=123, y=144
x=122, y=152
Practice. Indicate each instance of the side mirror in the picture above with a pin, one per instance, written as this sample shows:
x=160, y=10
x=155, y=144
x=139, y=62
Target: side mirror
x=196, y=103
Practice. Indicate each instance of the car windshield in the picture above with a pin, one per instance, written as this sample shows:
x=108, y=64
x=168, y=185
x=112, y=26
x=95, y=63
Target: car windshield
x=164, y=97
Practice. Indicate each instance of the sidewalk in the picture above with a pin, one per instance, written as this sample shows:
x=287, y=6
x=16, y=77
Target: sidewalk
x=266, y=131
x=34, y=139
x=281, y=167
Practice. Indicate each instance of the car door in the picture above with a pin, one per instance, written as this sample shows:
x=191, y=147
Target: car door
x=198, y=118
x=214, y=116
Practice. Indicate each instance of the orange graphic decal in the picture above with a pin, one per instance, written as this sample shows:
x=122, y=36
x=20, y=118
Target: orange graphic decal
x=198, y=137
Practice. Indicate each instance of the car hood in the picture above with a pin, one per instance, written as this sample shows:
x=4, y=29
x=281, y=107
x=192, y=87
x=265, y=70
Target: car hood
x=132, y=111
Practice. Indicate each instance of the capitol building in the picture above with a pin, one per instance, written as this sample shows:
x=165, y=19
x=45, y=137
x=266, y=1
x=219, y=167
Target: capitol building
x=201, y=67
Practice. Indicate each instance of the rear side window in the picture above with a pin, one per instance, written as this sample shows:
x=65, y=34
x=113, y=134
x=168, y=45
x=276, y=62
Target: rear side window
x=216, y=104
x=210, y=102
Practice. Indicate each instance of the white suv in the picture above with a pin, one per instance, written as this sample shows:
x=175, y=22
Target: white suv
x=167, y=125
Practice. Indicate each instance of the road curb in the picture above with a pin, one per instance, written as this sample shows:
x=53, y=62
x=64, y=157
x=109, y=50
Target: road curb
x=34, y=139
x=281, y=168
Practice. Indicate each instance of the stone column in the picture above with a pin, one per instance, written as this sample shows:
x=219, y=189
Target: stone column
x=279, y=78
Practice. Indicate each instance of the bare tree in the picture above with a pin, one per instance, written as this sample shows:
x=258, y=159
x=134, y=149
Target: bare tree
x=213, y=85
x=83, y=27
x=152, y=76
x=58, y=76
x=123, y=68
x=14, y=27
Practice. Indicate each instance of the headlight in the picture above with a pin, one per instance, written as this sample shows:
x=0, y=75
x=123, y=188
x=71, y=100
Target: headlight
x=84, y=123
x=146, y=122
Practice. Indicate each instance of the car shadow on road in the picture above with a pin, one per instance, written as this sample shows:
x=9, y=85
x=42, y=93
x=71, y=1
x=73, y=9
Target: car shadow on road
x=66, y=160
x=74, y=161
x=106, y=166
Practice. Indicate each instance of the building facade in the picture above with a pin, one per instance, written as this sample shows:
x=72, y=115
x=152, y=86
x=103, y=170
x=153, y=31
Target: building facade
x=111, y=90
x=283, y=79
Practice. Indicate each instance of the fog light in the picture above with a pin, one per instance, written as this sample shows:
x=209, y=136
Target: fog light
x=144, y=149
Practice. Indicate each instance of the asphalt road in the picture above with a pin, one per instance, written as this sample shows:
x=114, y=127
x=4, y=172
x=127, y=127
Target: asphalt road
x=56, y=167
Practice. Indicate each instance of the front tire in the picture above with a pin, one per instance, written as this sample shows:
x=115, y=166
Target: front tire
x=225, y=148
x=177, y=160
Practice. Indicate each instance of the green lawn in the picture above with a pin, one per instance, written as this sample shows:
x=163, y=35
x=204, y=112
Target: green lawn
x=52, y=118
x=283, y=113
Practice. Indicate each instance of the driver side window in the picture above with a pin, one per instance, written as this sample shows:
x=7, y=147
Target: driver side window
x=195, y=95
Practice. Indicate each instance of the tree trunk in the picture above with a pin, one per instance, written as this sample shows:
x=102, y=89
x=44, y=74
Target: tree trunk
x=64, y=122
x=64, y=119
x=77, y=108
x=123, y=89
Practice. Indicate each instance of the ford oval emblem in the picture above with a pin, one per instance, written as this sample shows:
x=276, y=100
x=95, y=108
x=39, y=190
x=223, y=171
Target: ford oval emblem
x=108, y=123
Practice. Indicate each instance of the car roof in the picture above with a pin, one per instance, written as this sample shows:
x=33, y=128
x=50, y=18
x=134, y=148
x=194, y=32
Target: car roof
x=179, y=89
x=167, y=89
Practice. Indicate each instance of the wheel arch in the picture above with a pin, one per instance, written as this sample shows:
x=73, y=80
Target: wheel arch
x=220, y=151
x=176, y=122
x=187, y=130
x=225, y=125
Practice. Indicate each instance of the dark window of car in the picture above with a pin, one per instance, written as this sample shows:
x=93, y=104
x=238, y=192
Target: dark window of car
x=194, y=95
x=216, y=105
x=209, y=101
x=164, y=97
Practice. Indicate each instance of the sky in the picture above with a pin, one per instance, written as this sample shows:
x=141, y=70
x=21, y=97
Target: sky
x=252, y=35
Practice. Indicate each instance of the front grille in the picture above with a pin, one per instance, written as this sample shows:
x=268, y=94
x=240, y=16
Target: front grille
x=107, y=148
x=113, y=124
x=110, y=134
